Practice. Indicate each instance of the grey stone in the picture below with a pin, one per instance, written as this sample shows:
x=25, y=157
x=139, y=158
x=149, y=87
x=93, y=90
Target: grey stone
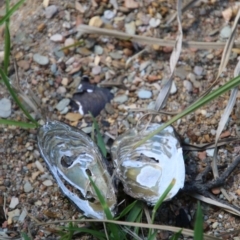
x=120, y=99
x=27, y=187
x=53, y=68
x=51, y=11
x=225, y=32
x=130, y=28
x=181, y=73
x=108, y=14
x=144, y=94
x=48, y=183
x=62, y=104
x=198, y=70
x=115, y=55
x=5, y=108
x=188, y=85
x=98, y=50
x=41, y=60
x=58, y=53
x=109, y=108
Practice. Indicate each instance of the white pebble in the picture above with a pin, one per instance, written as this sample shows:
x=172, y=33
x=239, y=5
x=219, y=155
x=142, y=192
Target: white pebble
x=5, y=108
x=96, y=70
x=56, y=37
x=173, y=88
x=210, y=152
x=108, y=14
x=154, y=22
x=215, y=225
x=68, y=42
x=14, y=202
x=47, y=183
x=188, y=85
x=39, y=166
x=130, y=28
x=198, y=70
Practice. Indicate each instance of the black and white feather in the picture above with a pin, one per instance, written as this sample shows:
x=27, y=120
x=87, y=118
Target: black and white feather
x=90, y=98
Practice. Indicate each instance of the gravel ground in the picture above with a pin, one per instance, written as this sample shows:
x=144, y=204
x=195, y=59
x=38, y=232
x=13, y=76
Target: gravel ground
x=38, y=33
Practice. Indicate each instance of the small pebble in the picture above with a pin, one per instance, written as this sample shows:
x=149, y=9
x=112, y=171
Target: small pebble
x=54, y=68
x=25, y=65
x=41, y=60
x=130, y=28
x=87, y=130
x=95, y=21
x=62, y=104
x=65, y=110
x=5, y=108
x=154, y=22
x=84, y=51
x=56, y=38
x=27, y=187
x=14, y=202
x=64, y=81
x=51, y=11
x=47, y=183
x=68, y=42
x=115, y=55
x=67, y=25
x=173, y=89
x=35, y=175
x=198, y=70
x=39, y=166
x=61, y=90
x=181, y=72
x=210, y=152
x=226, y=32
x=120, y=98
x=188, y=85
x=96, y=70
x=109, y=108
x=214, y=225
x=144, y=94
x=98, y=50
x=38, y=203
x=108, y=14
x=58, y=53
x=131, y=4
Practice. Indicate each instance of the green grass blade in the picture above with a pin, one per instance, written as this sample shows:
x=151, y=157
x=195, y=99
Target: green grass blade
x=199, y=103
x=153, y=236
x=11, y=12
x=159, y=203
x=95, y=233
x=100, y=141
x=135, y=215
x=7, y=47
x=17, y=123
x=135, y=211
x=25, y=236
x=7, y=41
x=126, y=210
x=115, y=230
x=177, y=235
x=161, y=199
x=15, y=98
x=102, y=200
x=198, y=226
